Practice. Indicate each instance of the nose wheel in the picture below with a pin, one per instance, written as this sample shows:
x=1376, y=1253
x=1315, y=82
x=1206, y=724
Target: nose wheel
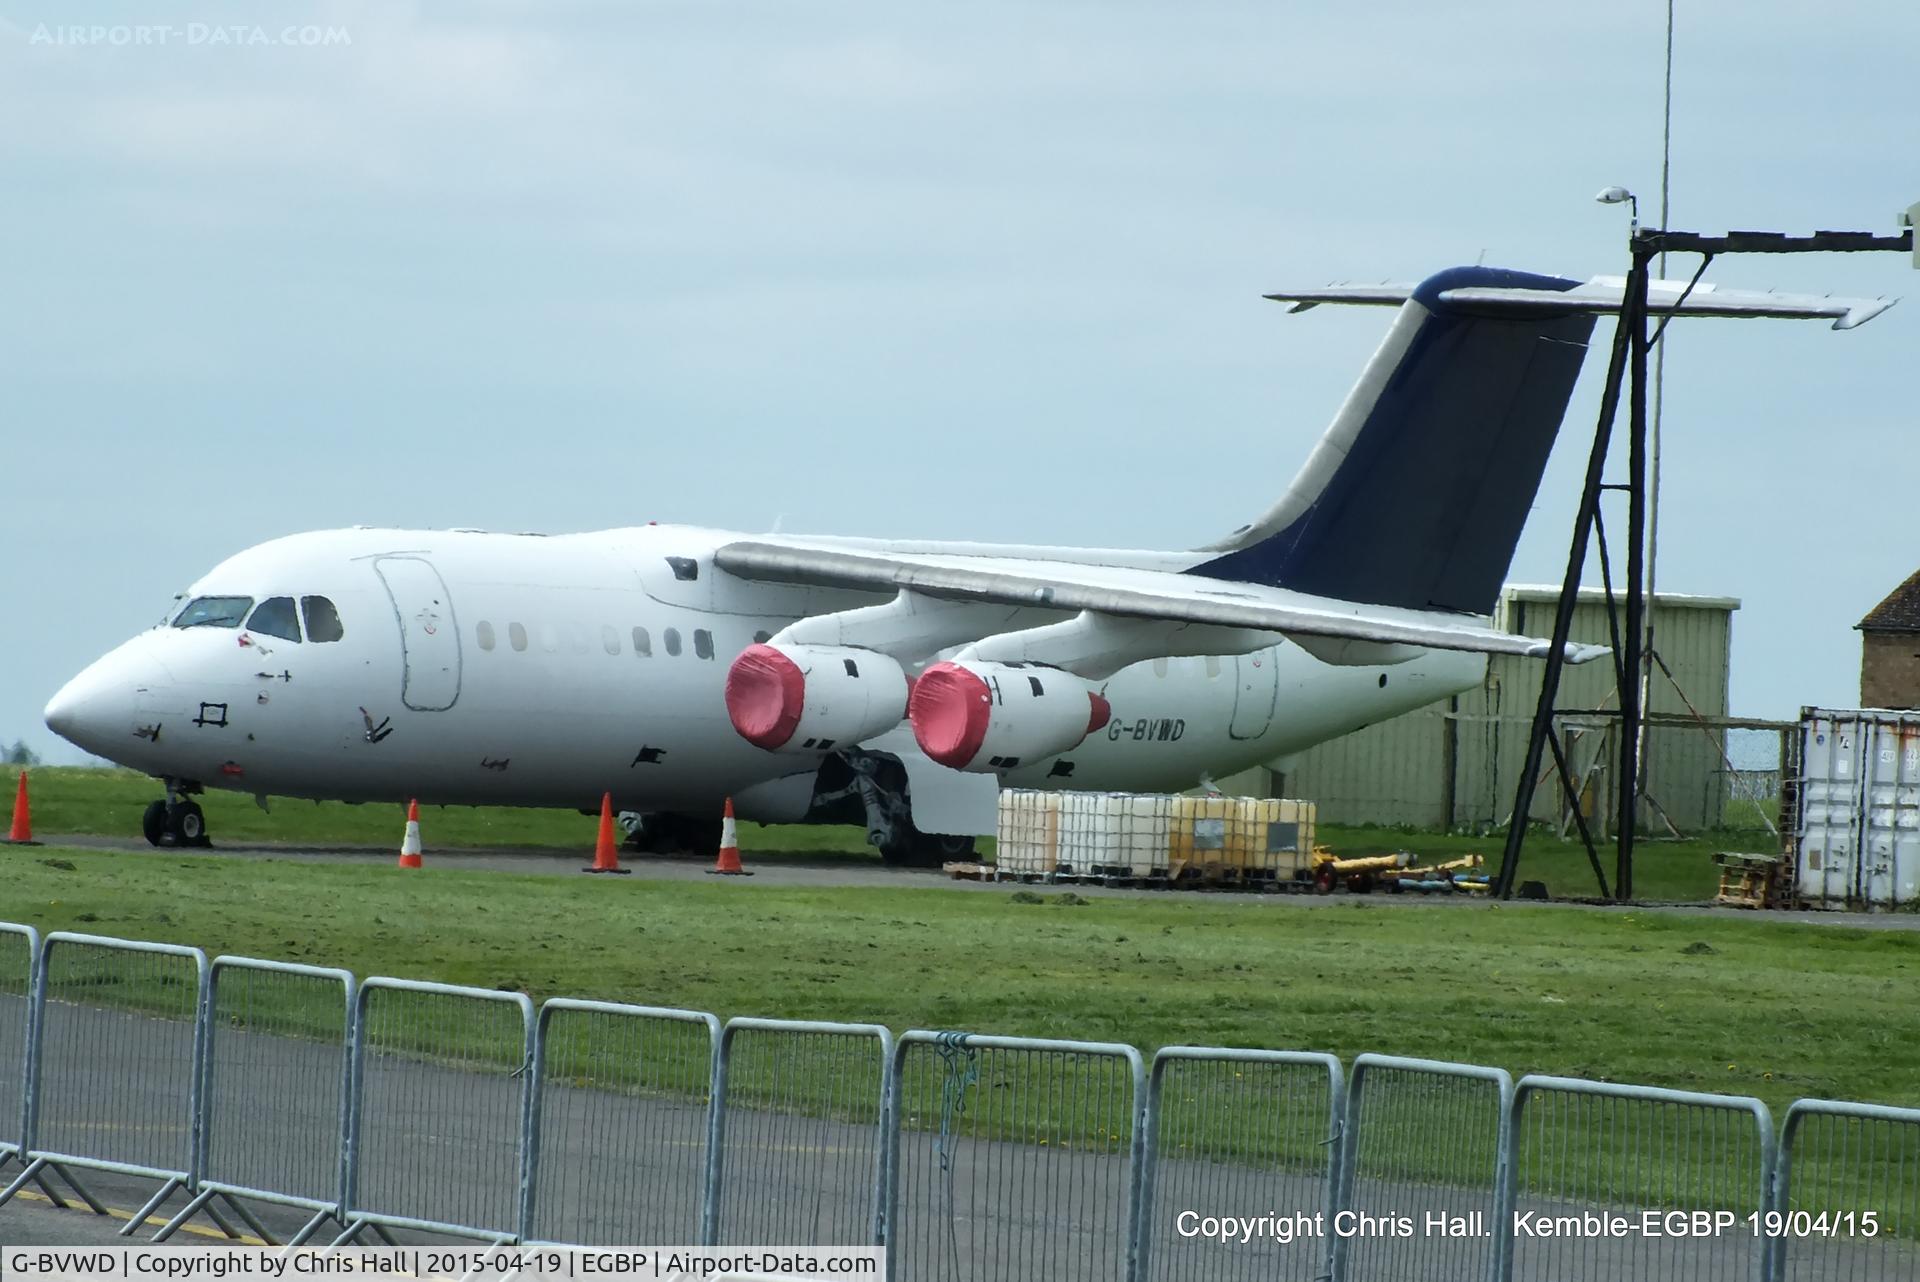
x=175, y=821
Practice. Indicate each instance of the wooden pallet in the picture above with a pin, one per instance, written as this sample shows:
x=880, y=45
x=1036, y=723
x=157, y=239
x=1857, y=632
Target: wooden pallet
x=1747, y=881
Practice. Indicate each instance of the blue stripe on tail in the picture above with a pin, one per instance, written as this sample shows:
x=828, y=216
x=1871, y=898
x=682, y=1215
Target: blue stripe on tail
x=1426, y=506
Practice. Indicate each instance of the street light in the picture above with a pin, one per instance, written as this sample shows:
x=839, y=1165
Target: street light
x=1620, y=195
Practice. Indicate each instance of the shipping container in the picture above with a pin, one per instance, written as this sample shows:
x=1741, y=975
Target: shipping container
x=1855, y=835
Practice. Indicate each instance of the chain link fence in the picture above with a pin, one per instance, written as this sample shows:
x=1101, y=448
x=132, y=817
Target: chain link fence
x=1838, y=1165
x=621, y=1117
x=439, y=1110
x=1420, y=1168
x=19, y=953
x=1013, y=1156
x=1242, y=1154
x=113, y=1079
x=798, y=1132
x=395, y=1105
x=275, y=1090
x=1612, y=1181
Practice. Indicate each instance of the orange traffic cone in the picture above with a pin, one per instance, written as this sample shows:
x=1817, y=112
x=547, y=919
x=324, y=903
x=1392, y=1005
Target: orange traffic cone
x=604, y=858
x=410, y=844
x=728, y=864
x=21, y=834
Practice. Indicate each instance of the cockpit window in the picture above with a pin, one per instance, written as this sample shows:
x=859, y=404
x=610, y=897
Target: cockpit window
x=275, y=618
x=323, y=621
x=213, y=612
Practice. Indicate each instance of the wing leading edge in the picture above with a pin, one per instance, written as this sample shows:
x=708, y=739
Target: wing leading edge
x=1123, y=592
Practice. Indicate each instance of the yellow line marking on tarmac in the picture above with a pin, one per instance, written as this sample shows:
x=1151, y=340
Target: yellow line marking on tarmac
x=154, y=1220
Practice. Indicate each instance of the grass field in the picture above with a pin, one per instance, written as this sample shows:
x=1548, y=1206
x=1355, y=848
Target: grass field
x=72, y=800
x=1746, y=1005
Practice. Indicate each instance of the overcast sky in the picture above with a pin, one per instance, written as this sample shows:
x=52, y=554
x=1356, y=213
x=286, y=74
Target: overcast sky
x=987, y=271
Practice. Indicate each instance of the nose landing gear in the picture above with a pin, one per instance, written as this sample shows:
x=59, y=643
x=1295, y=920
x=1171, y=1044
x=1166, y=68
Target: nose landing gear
x=175, y=820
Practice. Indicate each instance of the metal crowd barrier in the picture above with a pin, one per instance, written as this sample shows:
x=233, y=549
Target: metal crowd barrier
x=1837, y=1164
x=798, y=1147
x=1012, y=1157
x=1589, y=1158
x=113, y=1083
x=274, y=1089
x=1420, y=1170
x=617, y=1137
x=1239, y=1133
x=398, y=1105
x=19, y=954
x=440, y=1101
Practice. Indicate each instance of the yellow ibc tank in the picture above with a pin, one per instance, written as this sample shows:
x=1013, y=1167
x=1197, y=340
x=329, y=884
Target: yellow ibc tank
x=1283, y=836
x=1239, y=838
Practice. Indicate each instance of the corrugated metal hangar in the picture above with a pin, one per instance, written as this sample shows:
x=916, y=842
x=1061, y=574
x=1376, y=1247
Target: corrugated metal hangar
x=1456, y=764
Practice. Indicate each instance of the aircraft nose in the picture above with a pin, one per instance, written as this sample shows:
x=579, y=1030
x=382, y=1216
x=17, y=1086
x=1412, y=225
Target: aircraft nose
x=97, y=709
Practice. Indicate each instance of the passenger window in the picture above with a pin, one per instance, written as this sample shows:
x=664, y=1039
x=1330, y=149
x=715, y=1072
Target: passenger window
x=323, y=621
x=484, y=632
x=1213, y=666
x=516, y=636
x=609, y=639
x=214, y=612
x=577, y=633
x=1160, y=666
x=275, y=617
x=672, y=637
x=702, y=643
x=642, y=644
x=549, y=638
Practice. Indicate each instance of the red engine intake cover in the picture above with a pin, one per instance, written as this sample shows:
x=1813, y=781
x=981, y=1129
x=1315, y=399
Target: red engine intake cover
x=949, y=709
x=766, y=693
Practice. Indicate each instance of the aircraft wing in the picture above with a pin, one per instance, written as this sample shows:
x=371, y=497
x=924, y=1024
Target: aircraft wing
x=1604, y=294
x=1123, y=591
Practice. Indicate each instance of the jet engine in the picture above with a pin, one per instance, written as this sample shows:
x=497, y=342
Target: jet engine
x=810, y=698
x=974, y=715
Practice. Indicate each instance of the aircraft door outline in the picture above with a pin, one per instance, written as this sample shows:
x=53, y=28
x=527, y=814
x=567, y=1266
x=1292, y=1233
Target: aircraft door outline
x=1256, y=689
x=429, y=632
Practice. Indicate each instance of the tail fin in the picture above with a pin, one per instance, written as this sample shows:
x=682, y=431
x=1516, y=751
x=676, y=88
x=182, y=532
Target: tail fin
x=1417, y=493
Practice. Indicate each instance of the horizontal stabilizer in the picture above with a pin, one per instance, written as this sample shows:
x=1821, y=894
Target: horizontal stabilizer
x=1604, y=294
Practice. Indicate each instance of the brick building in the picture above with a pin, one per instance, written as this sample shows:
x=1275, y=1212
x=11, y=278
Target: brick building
x=1890, y=650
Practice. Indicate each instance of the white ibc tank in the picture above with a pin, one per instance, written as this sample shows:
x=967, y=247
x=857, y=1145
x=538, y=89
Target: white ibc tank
x=1027, y=832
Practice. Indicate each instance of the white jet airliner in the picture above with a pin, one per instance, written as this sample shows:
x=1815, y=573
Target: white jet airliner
x=893, y=684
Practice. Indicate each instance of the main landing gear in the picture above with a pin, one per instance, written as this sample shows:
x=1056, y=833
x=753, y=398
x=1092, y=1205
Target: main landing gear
x=175, y=820
x=871, y=788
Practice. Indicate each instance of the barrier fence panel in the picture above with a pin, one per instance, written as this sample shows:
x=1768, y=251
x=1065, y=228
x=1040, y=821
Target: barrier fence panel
x=1420, y=1170
x=1838, y=1164
x=798, y=1146
x=1012, y=1157
x=1611, y=1181
x=1239, y=1135
x=116, y=1076
x=19, y=951
x=622, y=1109
x=274, y=1091
x=439, y=1111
